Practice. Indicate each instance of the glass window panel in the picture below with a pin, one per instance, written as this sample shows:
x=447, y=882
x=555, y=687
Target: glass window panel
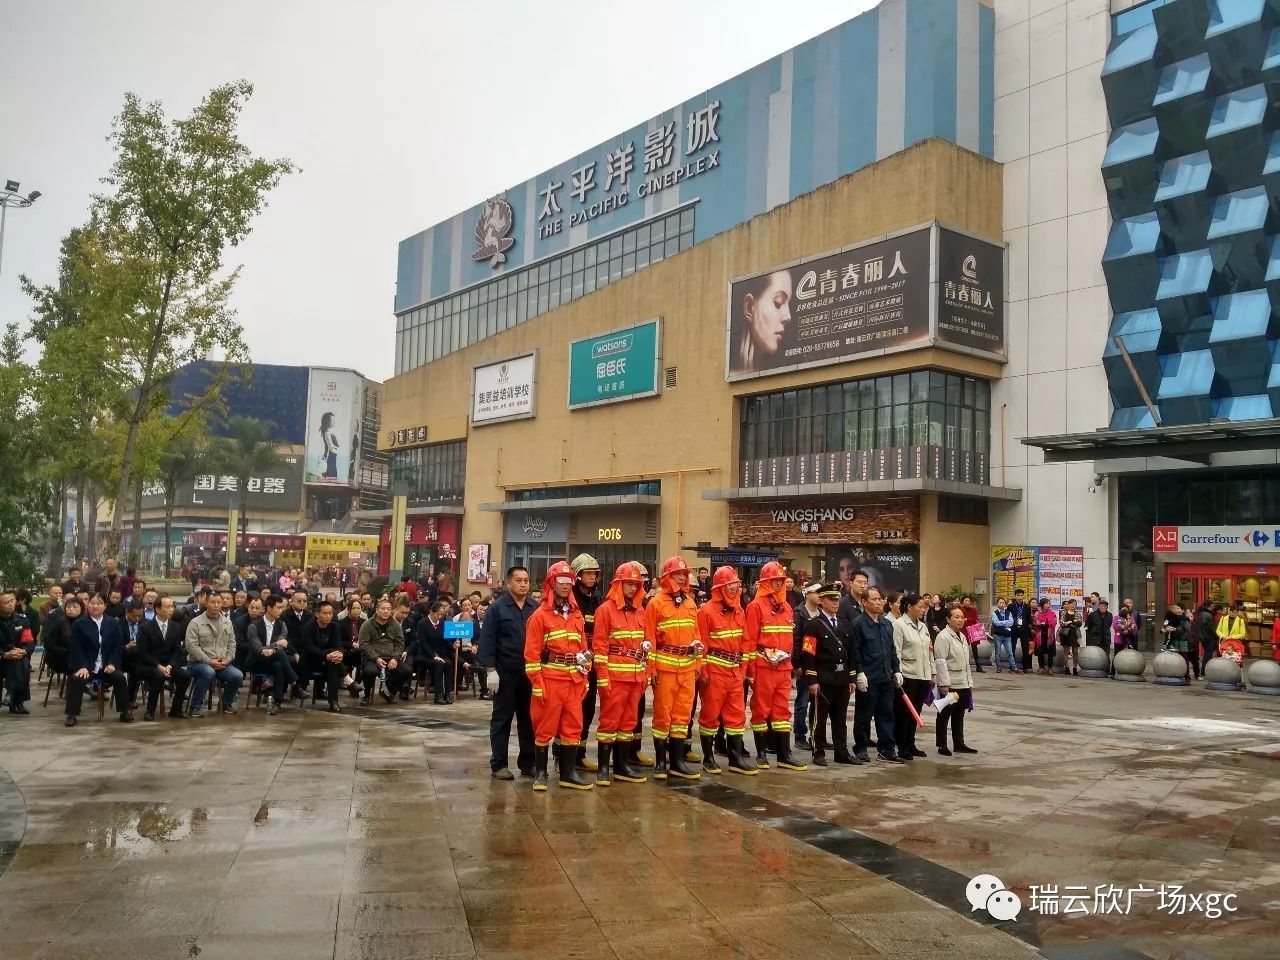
x=966, y=429
x=503, y=314
x=588, y=280
x=850, y=431
x=589, y=257
x=983, y=395
x=686, y=240
x=951, y=429
x=800, y=431
x=615, y=246
x=544, y=272
x=920, y=385
x=981, y=432
x=790, y=402
x=673, y=246
x=553, y=294
x=900, y=436
x=629, y=242
x=867, y=430
x=835, y=433
x=642, y=258
x=502, y=287
x=628, y=264
x=656, y=253
x=937, y=387
x=543, y=294
x=686, y=219
x=937, y=423
x=615, y=269
x=673, y=225
x=659, y=231
x=577, y=284
x=919, y=423
x=555, y=268
x=775, y=407
x=643, y=237
x=884, y=391
x=602, y=273
x=804, y=402
x=969, y=392
x=522, y=306
x=578, y=259
x=953, y=390
x=522, y=280
x=901, y=387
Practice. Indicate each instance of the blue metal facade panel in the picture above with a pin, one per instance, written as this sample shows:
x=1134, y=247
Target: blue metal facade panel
x=830, y=100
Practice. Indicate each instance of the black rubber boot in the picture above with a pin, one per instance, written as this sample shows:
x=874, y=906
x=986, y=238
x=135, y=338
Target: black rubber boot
x=540, y=769
x=677, y=760
x=604, y=775
x=637, y=758
x=568, y=770
x=782, y=746
x=762, y=756
x=622, y=769
x=689, y=755
x=738, y=762
x=583, y=763
x=660, y=759
x=722, y=744
x=709, y=763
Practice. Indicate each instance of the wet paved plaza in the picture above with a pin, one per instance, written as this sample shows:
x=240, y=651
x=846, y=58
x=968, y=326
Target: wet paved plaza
x=379, y=834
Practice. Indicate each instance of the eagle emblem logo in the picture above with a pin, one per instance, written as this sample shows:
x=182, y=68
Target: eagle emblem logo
x=492, y=229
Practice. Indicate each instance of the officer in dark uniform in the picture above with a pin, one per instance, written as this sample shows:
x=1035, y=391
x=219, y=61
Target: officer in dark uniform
x=826, y=657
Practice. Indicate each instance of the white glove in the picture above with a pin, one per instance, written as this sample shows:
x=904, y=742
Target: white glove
x=697, y=647
x=862, y=684
x=492, y=676
x=897, y=679
x=583, y=659
x=953, y=697
x=646, y=647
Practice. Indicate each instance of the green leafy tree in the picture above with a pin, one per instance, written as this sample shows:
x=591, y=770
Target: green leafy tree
x=181, y=193
x=27, y=507
x=249, y=451
x=183, y=459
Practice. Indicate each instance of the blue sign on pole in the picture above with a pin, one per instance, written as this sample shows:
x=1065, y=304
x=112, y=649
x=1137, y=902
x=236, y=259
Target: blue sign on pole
x=459, y=631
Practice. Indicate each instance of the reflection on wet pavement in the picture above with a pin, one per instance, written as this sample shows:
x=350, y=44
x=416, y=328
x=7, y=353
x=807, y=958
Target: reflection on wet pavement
x=379, y=834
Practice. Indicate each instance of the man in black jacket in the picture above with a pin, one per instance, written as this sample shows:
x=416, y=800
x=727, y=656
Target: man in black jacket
x=1097, y=626
x=1021, y=627
x=826, y=658
x=1204, y=634
x=295, y=620
x=130, y=624
x=14, y=652
x=271, y=652
x=878, y=678
x=802, y=613
x=433, y=652
x=324, y=650
x=502, y=648
x=161, y=658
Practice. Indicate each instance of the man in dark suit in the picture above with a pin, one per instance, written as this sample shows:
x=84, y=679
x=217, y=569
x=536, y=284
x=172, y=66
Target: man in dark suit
x=325, y=652
x=161, y=658
x=1022, y=626
x=434, y=652
x=130, y=624
x=96, y=654
x=296, y=619
x=271, y=652
x=502, y=639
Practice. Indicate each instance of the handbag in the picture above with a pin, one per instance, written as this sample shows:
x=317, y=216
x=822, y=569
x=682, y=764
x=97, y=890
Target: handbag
x=975, y=633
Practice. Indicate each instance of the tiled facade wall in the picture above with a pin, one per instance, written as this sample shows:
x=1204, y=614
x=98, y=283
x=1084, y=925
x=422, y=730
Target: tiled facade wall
x=1051, y=134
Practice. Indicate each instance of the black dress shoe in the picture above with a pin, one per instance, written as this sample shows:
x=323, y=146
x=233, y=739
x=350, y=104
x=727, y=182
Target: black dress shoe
x=529, y=774
x=365, y=701
x=917, y=752
x=71, y=721
x=126, y=717
x=963, y=749
x=890, y=758
x=845, y=760
x=819, y=760
x=803, y=744
x=148, y=716
x=485, y=696
x=19, y=709
x=335, y=707
x=177, y=715
x=387, y=697
x=944, y=752
x=861, y=758
x=503, y=774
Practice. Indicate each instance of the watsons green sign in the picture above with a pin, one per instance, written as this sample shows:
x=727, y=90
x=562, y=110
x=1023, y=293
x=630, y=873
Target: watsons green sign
x=620, y=365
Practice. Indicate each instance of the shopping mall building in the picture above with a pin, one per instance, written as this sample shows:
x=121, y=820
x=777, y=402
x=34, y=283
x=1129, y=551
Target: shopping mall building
x=955, y=286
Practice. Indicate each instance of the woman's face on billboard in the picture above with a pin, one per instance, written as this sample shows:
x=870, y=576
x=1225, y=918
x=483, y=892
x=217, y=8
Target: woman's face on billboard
x=769, y=312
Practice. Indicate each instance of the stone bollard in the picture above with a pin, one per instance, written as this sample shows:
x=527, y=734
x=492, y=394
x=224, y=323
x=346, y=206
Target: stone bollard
x=1093, y=663
x=1059, y=659
x=985, y=652
x=1222, y=673
x=1263, y=677
x=1170, y=669
x=1130, y=666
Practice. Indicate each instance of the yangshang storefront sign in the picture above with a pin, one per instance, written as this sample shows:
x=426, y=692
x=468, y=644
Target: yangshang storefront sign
x=621, y=365
x=876, y=297
x=670, y=154
x=1259, y=539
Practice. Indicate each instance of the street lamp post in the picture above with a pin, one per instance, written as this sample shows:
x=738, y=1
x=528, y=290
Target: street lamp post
x=10, y=197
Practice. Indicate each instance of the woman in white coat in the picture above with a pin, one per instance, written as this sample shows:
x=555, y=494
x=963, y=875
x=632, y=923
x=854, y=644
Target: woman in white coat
x=955, y=681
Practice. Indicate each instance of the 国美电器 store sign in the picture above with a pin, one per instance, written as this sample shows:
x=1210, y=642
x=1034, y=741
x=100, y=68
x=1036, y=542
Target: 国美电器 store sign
x=620, y=365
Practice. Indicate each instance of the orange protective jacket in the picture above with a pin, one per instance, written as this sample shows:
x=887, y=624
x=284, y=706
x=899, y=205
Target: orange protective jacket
x=618, y=635
x=770, y=626
x=722, y=627
x=672, y=625
x=561, y=637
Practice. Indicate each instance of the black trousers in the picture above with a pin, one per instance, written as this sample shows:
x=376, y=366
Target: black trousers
x=396, y=679
x=1027, y=655
x=155, y=683
x=133, y=674
x=511, y=702
x=76, y=688
x=442, y=677
x=1045, y=654
x=904, y=727
x=334, y=675
x=953, y=714
x=640, y=717
x=589, y=704
x=280, y=668
x=832, y=701
x=880, y=706
x=1208, y=650
x=17, y=680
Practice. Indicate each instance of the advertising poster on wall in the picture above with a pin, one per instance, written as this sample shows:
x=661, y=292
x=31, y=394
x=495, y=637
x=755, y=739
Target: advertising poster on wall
x=1053, y=572
x=970, y=292
x=503, y=390
x=889, y=567
x=621, y=365
x=334, y=405
x=478, y=563
x=864, y=299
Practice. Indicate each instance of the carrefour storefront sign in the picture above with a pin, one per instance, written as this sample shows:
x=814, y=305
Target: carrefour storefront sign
x=1262, y=538
x=620, y=365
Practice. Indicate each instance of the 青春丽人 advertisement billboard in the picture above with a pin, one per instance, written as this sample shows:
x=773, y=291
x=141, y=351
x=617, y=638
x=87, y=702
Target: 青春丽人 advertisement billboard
x=621, y=365
x=504, y=390
x=860, y=300
x=970, y=292
x=334, y=403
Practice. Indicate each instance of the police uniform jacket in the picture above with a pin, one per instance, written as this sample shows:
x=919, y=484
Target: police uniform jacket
x=827, y=653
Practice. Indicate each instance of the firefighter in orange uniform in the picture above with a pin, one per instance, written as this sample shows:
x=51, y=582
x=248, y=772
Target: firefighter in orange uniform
x=621, y=675
x=770, y=629
x=557, y=660
x=721, y=622
x=671, y=625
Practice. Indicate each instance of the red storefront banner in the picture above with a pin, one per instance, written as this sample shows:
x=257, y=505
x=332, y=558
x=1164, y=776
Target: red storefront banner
x=213, y=539
x=442, y=533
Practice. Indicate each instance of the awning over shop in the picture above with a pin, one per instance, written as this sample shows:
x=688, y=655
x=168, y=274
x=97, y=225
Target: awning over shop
x=1193, y=443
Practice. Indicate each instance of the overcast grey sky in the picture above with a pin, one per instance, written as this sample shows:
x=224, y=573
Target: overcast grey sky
x=400, y=114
